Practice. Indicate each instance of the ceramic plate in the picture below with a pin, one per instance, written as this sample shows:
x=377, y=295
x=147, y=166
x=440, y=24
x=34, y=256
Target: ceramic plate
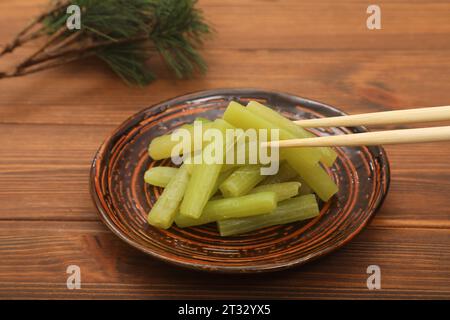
x=123, y=199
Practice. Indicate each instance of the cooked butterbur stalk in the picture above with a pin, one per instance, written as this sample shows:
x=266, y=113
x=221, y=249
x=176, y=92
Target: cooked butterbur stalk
x=282, y=123
x=201, y=185
x=160, y=176
x=314, y=176
x=225, y=167
x=165, y=209
x=241, y=181
x=328, y=155
x=222, y=177
x=304, y=188
x=227, y=208
x=203, y=179
x=240, y=117
x=162, y=146
x=288, y=211
x=299, y=159
x=231, y=166
x=283, y=190
x=203, y=120
x=246, y=150
x=285, y=173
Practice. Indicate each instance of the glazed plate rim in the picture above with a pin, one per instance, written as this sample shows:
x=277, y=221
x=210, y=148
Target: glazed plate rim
x=268, y=267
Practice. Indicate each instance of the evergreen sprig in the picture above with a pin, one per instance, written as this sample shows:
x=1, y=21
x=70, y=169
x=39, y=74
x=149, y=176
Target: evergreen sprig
x=122, y=33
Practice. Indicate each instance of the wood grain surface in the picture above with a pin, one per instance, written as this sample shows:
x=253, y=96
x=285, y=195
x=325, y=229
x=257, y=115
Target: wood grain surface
x=52, y=123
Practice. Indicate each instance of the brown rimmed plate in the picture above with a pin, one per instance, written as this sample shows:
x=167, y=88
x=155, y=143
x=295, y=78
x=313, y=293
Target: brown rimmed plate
x=123, y=199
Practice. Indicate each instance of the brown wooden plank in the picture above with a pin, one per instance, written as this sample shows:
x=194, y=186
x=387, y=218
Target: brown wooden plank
x=44, y=174
x=52, y=123
x=415, y=263
x=356, y=81
x=44, y=171
x=301, y=24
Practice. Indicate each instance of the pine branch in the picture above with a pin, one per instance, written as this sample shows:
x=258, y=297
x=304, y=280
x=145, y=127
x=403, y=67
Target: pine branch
x=24, y=35
x=84, y=47
x=122, y=33
x=38, y=68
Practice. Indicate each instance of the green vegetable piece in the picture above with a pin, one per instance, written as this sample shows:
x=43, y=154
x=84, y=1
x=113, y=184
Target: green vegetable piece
x=288, y=211
x=328, y=155
x=165, y=209
x=203, y=181
x=204, y=120
x=241, y=181
x=304, y=188
x=227, y=208
x=285, y=173
x=200, y=189
x=160, y=176
x=304, y=164
x=314, y=176
x=283, y=190
x=230, y=167
x=240, y=117
x=222, y=177
x=162, y=146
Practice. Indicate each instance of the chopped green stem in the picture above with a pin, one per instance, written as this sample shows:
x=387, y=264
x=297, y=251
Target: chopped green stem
x=161, y=147
x=251, y=119
x=300, y=159
x=200, y=188
x=241, y=181
x=304, y=188
x=240, y=117
x=204, y=120
x=285, y=173
x=315, y=176
x=160, y=176
x=222, y=177
x=328, y=155
x=231, y=167
x=203, y=180
x=283, y=190
x=227, y=208
x=292, y=210
x=165, y=209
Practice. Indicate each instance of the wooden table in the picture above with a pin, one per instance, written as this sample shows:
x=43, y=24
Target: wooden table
x=52, y=123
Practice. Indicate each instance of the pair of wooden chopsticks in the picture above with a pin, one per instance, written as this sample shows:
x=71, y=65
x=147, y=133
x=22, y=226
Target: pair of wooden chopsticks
x=401, y=136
